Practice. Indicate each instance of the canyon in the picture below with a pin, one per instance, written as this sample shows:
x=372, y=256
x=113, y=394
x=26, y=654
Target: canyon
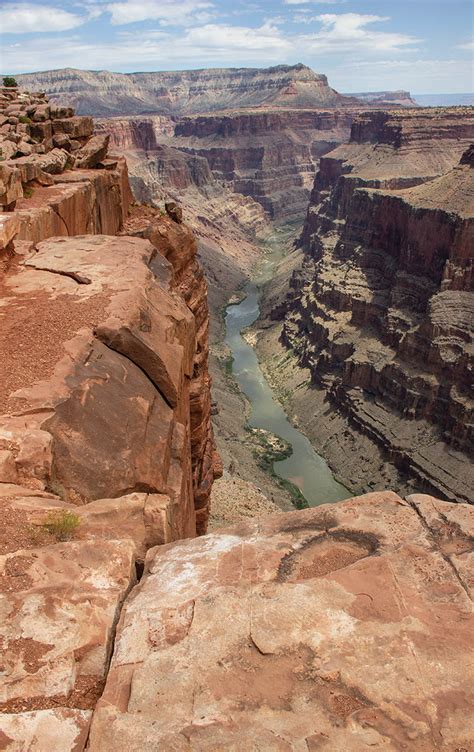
x=379, y=311
x=321, y=628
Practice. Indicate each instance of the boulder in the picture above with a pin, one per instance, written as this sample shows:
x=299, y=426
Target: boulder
x=62, y=141
x=7, y=149
x=58, y=112
x=10, y=186
x=75, y=127
x=9, y=228
x=94, y=151
x=41, y=113
x=174, y=211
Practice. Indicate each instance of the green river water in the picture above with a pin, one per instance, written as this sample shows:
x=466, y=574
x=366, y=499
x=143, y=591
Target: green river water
x=304, y=468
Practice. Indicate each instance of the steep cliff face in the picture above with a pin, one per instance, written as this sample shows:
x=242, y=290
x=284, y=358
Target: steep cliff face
x=381, y=308
x=106, y=443
x=166, y=341
x=227, y=224
x=103, y=93
x=270, y=157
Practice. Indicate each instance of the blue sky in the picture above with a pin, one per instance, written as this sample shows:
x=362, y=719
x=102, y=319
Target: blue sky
x=425, y=46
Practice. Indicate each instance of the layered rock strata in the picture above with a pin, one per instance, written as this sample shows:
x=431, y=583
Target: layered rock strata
x=228, y=225
x=385, y=98
x=271, y=156
x=338, y=634
x=103, y=93
x=381, y=312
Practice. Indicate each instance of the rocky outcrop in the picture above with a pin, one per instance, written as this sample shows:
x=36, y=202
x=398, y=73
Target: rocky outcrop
x=338, y=634
x=106, y=444
x=125, y=293
x=381, y=310
x=103, y=93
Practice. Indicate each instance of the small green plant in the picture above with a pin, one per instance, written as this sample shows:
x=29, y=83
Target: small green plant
x=27, y=192
x=9, y=81
x=62, y=524
x=25, y=119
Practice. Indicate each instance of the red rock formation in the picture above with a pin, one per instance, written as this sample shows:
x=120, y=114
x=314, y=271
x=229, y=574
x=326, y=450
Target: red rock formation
x=269, y=156
x=382, y=309
x=105, y=425
x=338, y=634
x=165, y=338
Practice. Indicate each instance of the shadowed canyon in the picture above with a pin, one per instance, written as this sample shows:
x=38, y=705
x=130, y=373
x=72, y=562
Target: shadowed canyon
x=236, y=433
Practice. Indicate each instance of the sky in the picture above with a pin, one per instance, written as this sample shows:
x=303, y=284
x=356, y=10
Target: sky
x=424, y=46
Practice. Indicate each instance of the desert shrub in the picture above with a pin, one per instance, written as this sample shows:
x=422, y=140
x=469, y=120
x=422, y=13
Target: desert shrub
x=62, y=524
x=9, y=81
x=25, y=119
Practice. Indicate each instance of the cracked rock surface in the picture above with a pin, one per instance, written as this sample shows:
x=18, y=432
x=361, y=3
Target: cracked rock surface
x=347, y=626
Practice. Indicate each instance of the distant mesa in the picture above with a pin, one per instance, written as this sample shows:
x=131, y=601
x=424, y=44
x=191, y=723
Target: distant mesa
x=386, y=98
x=105, y=94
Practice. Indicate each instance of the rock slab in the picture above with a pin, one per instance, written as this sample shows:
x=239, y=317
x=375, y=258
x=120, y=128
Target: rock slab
x=347, y=626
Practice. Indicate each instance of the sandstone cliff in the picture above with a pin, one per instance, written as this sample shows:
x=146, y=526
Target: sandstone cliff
x=106, y=410
x=381, y=312
x=103, y=93
x=271, y=156
x=143, y=304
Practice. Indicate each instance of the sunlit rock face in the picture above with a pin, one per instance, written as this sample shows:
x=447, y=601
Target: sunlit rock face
x=306, y=630
x=381, y=311
x=103, y=93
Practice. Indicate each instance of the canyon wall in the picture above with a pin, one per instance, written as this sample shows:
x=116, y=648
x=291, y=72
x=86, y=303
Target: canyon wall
x=103, y=93
x=271, y=157
x=385, y=99
x=381, y=311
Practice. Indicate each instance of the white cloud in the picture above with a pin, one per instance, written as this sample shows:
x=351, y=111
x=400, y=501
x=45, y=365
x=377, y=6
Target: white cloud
x=348, y=32
x=466, y=46
x=218, y=37
x=25, y=18
x=173, y=13
x=157, y=49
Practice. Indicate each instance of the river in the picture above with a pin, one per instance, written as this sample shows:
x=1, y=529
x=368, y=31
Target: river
x=306, y=469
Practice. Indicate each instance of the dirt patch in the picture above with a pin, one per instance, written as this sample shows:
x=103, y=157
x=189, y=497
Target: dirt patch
x=33, y=331
x=18, y=532
x=324, y=554
x=15, y=577
x=84, y=696
x=234, y=499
